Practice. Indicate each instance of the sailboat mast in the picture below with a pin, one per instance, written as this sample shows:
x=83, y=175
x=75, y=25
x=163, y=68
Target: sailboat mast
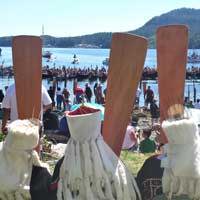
x=42, y=29
x=43, y=42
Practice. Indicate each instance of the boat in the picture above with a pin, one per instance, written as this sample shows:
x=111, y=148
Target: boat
x=47, y=54
x=75, y=60
x=194, y=58
x=106, y=62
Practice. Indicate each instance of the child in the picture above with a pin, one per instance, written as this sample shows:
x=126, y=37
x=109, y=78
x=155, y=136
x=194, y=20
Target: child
x=147, y=145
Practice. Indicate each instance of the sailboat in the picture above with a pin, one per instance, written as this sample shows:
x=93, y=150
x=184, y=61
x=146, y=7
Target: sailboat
x=45, y=54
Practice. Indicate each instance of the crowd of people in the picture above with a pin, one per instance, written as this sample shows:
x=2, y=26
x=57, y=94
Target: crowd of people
x=140, y=140
x=63, y=72
x=63, y=100
x=60, y=99
x=92, y=73
x=137, y=139
x=74, y=72
x=191, y=104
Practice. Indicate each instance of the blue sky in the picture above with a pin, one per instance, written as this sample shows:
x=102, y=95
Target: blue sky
x=79, y=17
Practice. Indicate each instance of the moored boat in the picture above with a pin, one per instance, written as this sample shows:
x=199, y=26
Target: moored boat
x=194, y=58
x=75, y=60
x=106, y=62
x=47, y=54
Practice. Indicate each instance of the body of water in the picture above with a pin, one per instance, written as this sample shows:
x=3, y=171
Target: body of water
x=87, y=57
x=91, y=58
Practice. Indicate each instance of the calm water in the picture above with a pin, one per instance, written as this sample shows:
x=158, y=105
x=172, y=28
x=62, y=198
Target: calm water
x=89, y=58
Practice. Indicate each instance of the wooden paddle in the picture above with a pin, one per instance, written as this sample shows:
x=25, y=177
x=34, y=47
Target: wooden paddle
x=172, y=44
x=27, y=62
x=125, y=68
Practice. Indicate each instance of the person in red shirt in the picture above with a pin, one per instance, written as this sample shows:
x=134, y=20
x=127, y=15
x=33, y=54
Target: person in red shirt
x=78, y=92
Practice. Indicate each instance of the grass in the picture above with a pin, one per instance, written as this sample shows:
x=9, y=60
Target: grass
x=1, y=137
x=134, y=160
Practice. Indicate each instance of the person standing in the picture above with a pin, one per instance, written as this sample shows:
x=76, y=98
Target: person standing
x=95, y=91
x=137, y=96
x=149, y=96
x=9, y=105
x=78, y=93
x=1, y=96
x=104, y=92
x=51, y=94
x=6, y=87
x=88, y=92
x=59, y=98
x=99, y=95
x=197, y=104
x=154, y=110
x=66, y=100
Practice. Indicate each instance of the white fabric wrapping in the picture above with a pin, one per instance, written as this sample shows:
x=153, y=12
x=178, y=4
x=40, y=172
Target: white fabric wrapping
x=182, y=165
x=25, y=135
x=90, y=170
x=193, y=113
x=16, y=160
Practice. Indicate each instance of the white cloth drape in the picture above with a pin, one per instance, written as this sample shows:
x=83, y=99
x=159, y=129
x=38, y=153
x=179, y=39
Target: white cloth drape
x=90, y=170
x=182, y=164
x=17, y=159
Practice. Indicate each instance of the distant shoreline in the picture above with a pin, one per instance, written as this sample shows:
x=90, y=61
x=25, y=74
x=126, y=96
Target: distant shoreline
x=68, y=47
x=53, y=47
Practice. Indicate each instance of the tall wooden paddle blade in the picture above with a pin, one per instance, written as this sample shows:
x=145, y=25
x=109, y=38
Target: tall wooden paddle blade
x=27, y=62
x=172, y=44
x=125, y=68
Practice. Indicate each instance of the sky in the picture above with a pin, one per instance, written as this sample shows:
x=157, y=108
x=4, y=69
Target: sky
x=79, y=17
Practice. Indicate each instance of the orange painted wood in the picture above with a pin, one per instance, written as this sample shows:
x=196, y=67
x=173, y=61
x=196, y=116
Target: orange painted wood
x=27, y=62
x=126, y=62
x=172, y=44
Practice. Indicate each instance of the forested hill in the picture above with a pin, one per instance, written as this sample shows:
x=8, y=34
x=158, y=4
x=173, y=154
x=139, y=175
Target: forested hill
x=97, y=40
x=187, y=16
